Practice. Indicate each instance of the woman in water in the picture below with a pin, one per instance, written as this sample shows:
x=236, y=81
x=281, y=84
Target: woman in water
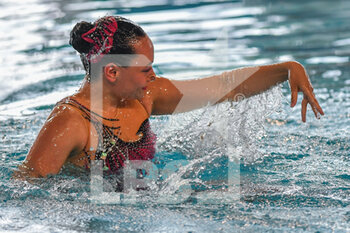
x=107, y=118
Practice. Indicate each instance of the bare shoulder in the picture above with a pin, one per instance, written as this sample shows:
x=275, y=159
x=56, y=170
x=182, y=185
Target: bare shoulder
x=160, y=82
x=165, y=96
x=64, y=133
x=68, y=119
x=65, y=111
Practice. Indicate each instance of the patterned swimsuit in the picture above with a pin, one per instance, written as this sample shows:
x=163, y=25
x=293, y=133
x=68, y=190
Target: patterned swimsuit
x=111, y=149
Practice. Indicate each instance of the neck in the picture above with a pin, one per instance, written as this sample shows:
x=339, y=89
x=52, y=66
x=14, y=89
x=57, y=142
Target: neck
x=101, y=97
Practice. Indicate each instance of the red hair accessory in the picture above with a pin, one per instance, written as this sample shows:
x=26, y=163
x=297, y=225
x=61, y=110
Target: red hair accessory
x=102, y=37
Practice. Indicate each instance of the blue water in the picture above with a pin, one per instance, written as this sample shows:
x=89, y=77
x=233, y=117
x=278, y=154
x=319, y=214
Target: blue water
x=293, y=176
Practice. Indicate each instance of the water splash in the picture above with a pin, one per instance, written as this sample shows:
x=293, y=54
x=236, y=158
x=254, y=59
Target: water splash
x=214, y=129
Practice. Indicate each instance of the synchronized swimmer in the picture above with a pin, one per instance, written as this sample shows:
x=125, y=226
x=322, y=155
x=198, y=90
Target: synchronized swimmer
x=108, y=117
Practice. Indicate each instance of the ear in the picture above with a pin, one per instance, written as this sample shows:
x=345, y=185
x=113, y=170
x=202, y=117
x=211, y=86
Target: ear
x=111, y=71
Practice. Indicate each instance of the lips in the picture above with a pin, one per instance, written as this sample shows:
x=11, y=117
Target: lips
x=144, y=88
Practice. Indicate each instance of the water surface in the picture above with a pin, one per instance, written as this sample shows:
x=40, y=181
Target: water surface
x=294, y=176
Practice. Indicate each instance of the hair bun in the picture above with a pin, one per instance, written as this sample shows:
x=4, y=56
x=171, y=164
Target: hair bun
x=76, y=41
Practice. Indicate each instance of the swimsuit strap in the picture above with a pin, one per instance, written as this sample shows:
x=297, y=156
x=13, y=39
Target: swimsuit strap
x=75, y=103
x=111, y=149
x=86, y=114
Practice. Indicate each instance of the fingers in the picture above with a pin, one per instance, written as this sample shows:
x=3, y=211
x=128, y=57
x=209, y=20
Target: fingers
x=315, y=112
x=309, y=95
x=313, y=105
x=303, y=109
x=299, y=81
x=294, y=98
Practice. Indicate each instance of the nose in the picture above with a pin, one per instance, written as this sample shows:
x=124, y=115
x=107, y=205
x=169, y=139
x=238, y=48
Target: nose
x=151, y=77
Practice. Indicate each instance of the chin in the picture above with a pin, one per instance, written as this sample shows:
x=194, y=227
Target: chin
x=136, y=97
x=140, y=95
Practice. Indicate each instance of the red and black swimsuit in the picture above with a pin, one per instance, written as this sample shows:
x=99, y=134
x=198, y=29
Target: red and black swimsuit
x=111, y=149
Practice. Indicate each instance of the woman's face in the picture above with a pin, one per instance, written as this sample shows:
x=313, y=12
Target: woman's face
x=139, y=73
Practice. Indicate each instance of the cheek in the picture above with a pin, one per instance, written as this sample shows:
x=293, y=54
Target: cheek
x=140, y=79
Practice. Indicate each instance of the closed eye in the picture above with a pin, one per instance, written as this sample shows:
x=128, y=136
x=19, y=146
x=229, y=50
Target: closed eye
x=146, y=70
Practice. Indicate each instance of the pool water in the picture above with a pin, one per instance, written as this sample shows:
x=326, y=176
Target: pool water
x=293, y=176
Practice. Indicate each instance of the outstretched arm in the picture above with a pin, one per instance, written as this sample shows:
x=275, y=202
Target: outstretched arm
x=170, y=96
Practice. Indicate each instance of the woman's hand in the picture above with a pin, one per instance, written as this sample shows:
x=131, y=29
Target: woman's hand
x=300, y=82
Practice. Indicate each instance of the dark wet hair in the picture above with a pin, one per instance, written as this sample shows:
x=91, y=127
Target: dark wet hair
x=124, y=39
